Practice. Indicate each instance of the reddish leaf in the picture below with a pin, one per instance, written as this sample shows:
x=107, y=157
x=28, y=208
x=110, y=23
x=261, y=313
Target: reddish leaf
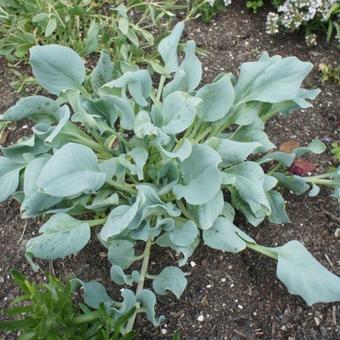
x=301, y=167
x=289, y=146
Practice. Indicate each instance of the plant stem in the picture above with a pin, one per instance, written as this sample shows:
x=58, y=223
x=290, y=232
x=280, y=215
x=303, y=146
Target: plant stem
x=93, y=223
x=122, y=187
x=262, y=250
x=160, y=87
x=202, y=135
x=85, y=318
x=274, y=169
x=184, y=210
x=140, y=285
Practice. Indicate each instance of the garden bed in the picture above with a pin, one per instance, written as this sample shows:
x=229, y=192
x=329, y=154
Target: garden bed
x=228, y=296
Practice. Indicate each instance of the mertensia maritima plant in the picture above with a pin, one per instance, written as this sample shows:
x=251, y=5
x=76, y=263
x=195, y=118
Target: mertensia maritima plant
x=113, y=156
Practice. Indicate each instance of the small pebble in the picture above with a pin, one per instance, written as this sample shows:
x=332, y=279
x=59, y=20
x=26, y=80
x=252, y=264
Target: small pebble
x=337, y=233
x=223, y=279
x=200, y=318
x=192, y=264
x=163, y=331
x=317, y=321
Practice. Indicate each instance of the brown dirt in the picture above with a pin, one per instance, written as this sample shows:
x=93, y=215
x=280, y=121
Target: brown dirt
x=239, y=295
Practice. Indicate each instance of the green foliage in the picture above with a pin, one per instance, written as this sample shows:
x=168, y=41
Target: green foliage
x=336, y=151
x=168, y=166
x=86, y=25
x=311, y=16
x=47, y=311
x=206, y=9
x=254, y=5
x=329, y=73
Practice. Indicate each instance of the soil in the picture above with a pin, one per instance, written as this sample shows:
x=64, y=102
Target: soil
x=228, y=296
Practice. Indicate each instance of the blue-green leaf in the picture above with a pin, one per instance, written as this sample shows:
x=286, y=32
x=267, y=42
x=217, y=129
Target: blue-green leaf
x=232, y=152
x=140, y=156
x=9, y=177
x=118, y=220
x=295, y=183
x=172, y=279
x=178, y=112
x=121, y=253
x=147, y=299
x=201, y=177
x=39, y=108
x=63, y=115
x=272, y=80
x=207, y=213
x=315, y=146
x=103, y=71
x=123, y=109
x=94, y=293
x=249, y=182
x=254, y=133
x=57, y=68
x=277, y=204
x=182, y=152
x=91, y=41
x=27, y=145
x=303, y=275
x=224, y=235
x=189, y=73
x=35, y=201
x=282, y=157
x=217, y=99
x=62, y=235
x=120, y=278
x=184, y=234
x=72, y=170
x=167, y=48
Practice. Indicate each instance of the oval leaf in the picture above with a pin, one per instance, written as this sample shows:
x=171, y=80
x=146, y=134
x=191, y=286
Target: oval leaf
x=62, y=235
x=72, y=170
x=57, y=68
x=172, y=279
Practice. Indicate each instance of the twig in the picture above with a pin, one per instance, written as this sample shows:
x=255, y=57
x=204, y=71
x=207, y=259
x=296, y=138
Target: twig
x=331, y=216
x=334, y=315
x=240, y=334
x=330, y=262
x=23, y=232
x=51, y=267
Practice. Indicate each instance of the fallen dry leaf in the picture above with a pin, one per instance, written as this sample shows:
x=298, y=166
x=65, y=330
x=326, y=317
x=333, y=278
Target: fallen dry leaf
x=301, y=167
x=289, y=146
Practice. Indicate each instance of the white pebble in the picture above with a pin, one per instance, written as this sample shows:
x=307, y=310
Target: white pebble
x=192, y=264
x=200, y=318
x=223, y=279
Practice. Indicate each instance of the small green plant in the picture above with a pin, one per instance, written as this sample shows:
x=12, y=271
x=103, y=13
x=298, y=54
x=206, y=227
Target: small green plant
x=329, y=74
x=206, y=9
x=47, y=311
x=3, y=126
x=86, y=25
x=336, y=151
x=166, y=165
x=254, y=5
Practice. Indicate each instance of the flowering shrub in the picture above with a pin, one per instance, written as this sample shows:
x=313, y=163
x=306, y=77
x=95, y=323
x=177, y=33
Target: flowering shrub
x=292, y=14
x=166, y=166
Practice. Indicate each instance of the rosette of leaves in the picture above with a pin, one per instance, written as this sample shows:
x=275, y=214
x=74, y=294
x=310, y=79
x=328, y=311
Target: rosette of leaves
x=168, y=166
